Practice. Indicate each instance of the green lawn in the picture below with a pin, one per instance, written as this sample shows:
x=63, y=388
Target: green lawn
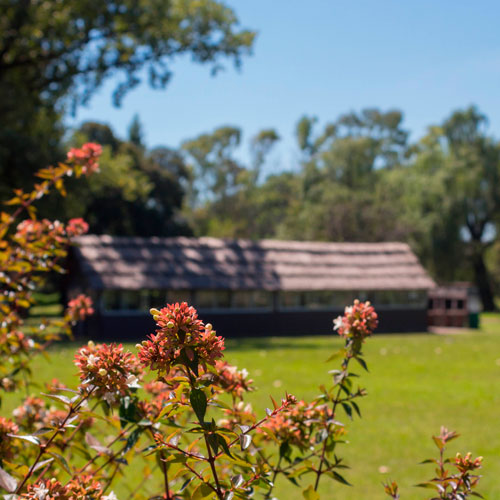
x=416, y=384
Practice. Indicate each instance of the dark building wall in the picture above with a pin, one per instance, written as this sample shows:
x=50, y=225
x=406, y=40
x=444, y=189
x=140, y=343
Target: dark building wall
x=137, y=326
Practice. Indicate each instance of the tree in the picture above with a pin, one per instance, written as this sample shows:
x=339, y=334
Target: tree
x=225, y=193
x=472, y=178
x=135, y=135
x=57, y=53
x=340, y=168
x=137, y=192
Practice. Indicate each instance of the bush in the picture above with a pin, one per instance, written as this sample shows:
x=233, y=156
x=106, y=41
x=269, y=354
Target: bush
x=176, y=404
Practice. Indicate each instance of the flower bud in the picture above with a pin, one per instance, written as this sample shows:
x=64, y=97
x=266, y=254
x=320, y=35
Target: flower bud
x=154, y=312
x=170, y=324
x=91, y=344
x=208, y=327
x=102, y=372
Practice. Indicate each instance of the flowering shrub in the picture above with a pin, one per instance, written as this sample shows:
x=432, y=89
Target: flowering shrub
x=448, y=486
x=176, y=406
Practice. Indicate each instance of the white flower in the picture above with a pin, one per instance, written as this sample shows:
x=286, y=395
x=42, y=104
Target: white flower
x=132, y=382
x=109, y=397
x=111, y=496
x=92, y=360
x=337, y=322
x=40, y=492
x=348, y=310
x=244, y=373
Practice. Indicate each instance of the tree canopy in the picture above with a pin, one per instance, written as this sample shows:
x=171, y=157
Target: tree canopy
x=57, y=54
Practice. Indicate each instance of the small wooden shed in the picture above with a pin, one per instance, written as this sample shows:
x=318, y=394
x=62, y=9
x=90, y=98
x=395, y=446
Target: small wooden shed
x=247, y=287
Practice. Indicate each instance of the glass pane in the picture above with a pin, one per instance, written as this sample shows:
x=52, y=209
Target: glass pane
x=291, y=300
x=222, y=299
x=157, y=298
x=204, y=299
x=131, y=300
x=111, y=300
x=417, y=298
x=242, y=299
x=343, y=298
x=178, y=296
x=262, y=299
x=319, y=299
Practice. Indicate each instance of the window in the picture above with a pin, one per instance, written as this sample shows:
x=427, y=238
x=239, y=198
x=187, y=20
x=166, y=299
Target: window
x=212, y=299
x=174, y=296
x=111, y=300
x=252, y=299
x=130, y=300
x=155, y=298
x=291, y=300
x=318, y=299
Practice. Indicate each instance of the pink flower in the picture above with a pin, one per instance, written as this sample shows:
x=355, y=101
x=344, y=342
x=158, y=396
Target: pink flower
x=86, y=157
x=181, y=338
x=79, y=308
x=358, y=321
x=76, y=227
x=7, y=427
x=108, y=368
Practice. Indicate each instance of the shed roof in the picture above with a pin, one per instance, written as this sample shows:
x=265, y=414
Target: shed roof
x=133, y=263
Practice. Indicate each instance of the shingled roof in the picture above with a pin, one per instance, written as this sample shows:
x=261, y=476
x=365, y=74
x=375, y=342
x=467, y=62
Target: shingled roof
x=132, y=263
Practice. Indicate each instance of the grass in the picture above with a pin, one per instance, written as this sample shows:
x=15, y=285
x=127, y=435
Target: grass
x=416, y=383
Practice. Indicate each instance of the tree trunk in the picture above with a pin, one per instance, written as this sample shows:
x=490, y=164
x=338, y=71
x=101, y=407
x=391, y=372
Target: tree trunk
x=483, y=282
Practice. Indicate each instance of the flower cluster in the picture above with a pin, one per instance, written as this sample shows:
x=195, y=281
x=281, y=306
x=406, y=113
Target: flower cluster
x=80, y=488
x=181, y=338
x=358, y=321
x=34, y=414
x=240, y=414
x=79, y=308
x=7, y=428
x=76, y=227
x=297, y=425
x=108, y=370
x=30, y=413
x=467, y=464
x=35, y=230
x=16, y=341
x=87, y=157
x=231, y=380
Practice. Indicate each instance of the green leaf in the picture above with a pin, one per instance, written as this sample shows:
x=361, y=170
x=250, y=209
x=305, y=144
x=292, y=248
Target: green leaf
x=31, y=439
x=428, y=485
x=132, y=440
x=58, y=397
x=340, y=478
x=356, y=408
x=7, y=482
x=362, y=362
x=285, y=450
x=128, y=411
x=213, y=442
x=310, y=494
x=61, y=461
x=198, y=402
x=245, y=440
x=223, y=444
x=237, y=481
x=347, y=409
x=336, y=355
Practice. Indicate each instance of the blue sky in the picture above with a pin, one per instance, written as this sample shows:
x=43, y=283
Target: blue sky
x=323, y=58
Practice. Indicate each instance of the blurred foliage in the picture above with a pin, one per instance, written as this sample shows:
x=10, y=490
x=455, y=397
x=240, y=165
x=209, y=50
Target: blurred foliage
x=55, y=55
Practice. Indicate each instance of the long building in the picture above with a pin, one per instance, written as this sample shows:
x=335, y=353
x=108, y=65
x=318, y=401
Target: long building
x=246, y=288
